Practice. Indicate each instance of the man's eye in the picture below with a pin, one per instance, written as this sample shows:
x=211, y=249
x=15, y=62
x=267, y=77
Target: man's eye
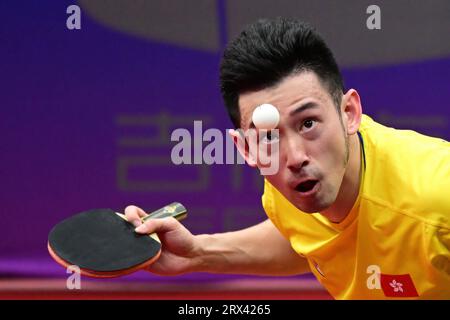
x=269, y=137
x=308, y=123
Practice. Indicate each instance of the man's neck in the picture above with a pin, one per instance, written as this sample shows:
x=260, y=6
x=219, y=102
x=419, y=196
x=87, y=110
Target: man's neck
x=348, y=193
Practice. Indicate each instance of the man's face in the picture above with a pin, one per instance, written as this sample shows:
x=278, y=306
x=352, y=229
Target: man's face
x=313, y=147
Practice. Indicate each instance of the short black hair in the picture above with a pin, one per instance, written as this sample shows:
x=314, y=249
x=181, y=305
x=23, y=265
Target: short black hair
x=268, y=51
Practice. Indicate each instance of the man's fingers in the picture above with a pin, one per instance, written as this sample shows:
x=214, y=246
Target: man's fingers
x=134, y=215
x=157, y=225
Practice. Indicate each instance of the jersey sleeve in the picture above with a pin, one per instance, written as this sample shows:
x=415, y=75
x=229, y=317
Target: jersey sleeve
x=268, y=202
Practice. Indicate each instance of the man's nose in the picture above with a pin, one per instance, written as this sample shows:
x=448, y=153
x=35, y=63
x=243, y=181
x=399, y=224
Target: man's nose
x=296, y=157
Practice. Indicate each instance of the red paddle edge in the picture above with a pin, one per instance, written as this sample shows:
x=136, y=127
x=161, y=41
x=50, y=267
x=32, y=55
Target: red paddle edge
x=103, y=274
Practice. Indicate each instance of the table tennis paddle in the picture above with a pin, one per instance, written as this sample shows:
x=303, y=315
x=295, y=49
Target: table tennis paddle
x=103, y=244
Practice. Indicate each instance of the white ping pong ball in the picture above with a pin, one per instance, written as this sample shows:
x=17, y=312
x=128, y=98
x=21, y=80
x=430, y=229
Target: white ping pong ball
x=266, y=116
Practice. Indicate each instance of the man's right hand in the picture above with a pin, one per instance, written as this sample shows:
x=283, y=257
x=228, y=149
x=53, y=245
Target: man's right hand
x=179, y=247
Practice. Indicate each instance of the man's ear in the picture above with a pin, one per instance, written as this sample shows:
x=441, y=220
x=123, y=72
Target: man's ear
x=241, y=145
x=351, y=111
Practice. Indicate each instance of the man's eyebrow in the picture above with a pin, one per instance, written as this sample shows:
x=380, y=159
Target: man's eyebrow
x=303, y=107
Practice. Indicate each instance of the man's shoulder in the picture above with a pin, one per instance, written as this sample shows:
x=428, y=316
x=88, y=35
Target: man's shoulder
x=401, y=150
x=388, y=139
x=407, y=170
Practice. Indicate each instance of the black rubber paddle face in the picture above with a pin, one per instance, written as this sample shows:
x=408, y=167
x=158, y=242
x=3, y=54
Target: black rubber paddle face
x=101, y=241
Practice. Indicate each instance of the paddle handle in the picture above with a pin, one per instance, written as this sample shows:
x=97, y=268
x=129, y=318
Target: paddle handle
x=175, y=209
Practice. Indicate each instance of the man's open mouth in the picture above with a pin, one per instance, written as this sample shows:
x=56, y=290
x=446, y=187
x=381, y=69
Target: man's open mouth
x=306, y=186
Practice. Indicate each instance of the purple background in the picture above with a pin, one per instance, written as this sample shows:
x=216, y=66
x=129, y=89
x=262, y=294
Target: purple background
x=63, y=91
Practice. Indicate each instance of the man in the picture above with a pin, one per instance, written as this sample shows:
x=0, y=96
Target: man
x=363, y=207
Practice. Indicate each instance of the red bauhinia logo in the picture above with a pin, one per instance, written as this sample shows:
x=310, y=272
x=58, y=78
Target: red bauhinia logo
x=398, y=285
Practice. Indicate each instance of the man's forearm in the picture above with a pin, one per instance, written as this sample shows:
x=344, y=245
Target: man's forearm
x=260, y=249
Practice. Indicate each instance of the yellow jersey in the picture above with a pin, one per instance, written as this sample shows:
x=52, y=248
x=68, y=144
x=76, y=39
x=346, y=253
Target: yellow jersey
x=395, y=241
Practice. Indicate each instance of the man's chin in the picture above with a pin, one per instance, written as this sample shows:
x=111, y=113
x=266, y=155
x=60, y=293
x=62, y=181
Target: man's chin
x=311, y=206
x=308, y=209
